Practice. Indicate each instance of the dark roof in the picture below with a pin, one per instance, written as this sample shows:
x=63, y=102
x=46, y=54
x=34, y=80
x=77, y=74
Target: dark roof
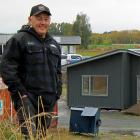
x=68, y=40
x=62, y=40
x=103, y=56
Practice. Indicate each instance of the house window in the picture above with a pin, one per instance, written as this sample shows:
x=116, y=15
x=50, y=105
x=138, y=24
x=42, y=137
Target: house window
x=1, y=48
x=95, y=85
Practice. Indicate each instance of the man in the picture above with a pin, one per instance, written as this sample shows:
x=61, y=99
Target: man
x=31, y=68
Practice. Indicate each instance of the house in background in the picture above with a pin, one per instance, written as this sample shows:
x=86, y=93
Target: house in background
x=110, y=80
x=3, y=40
x=68, y=43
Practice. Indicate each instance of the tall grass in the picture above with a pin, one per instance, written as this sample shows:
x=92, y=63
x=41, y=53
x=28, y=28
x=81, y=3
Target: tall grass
x=9, y=131
x=12, y=131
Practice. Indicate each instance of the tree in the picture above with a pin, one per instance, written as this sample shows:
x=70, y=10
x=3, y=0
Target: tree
x=66, y=28
x=60, y=28
x=82, y=28
x=54, y=29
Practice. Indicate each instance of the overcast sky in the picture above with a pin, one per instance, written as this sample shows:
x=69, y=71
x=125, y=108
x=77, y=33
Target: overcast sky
x=104, y=15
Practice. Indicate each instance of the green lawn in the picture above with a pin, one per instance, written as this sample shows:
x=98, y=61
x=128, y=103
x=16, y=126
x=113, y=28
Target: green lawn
x=99, y=49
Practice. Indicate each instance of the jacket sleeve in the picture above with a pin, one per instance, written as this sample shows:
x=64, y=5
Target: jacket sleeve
x=10, y=65
x=59, y=73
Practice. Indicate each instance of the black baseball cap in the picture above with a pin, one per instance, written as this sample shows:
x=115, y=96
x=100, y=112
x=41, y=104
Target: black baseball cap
x=39, y=9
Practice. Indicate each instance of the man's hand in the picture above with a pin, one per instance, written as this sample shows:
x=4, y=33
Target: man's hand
x=24, y=96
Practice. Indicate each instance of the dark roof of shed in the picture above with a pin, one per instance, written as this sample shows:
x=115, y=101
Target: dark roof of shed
x=110, y=53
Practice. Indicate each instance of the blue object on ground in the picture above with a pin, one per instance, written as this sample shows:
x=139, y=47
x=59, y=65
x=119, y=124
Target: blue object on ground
x=85, y=120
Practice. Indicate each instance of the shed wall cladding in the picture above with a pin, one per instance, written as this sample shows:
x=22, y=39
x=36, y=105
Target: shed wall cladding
x=110, y=66
x=135, y=71
x=125, y=79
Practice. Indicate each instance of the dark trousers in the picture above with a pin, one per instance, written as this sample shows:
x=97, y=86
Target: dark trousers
x=33, y=112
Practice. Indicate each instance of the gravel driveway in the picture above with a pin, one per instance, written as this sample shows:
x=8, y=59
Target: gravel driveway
x=115, y=121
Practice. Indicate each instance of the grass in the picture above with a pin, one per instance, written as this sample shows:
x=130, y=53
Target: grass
x=64, y=134
x=64, y=90
x=8, y=131
x=99, y=49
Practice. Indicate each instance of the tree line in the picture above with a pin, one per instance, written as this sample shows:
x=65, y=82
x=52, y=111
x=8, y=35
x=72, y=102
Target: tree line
x=116, y=37
x=81, y=27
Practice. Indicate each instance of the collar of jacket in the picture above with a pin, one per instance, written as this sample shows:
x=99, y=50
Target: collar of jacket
x=29, y=29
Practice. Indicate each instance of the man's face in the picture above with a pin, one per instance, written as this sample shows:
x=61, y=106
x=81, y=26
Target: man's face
x=40, y=23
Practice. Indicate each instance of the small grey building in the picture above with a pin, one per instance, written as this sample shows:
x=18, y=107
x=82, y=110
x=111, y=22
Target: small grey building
x=110, y=80
x=3, y=40
x=68, y=43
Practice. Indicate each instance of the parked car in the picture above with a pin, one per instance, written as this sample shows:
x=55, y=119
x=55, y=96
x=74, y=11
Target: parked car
x=70, y=58
x=135, y=50
x=63, y=59
x=86, y=57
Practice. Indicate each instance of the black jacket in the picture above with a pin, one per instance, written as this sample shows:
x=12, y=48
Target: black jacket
x=32, y=64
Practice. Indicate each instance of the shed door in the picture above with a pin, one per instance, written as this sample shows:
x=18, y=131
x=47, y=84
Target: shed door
x=138, y=87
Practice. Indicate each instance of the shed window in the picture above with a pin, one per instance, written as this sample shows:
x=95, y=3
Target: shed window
x=86, y=84
x=94, y=85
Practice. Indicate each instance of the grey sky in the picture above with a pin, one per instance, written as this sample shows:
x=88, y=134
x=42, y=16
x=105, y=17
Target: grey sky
x=104, y=15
